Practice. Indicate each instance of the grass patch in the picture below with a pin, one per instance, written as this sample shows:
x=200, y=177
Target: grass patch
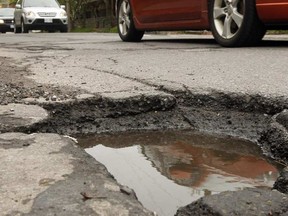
x=100, y=30
x=271, y=32
x=107, y=30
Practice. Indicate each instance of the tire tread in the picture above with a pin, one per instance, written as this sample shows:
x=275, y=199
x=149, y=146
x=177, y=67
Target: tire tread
x=250, y=33
x=133, y=35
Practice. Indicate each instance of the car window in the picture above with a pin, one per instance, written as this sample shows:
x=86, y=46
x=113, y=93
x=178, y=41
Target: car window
x=41, y=3
x=6, y=12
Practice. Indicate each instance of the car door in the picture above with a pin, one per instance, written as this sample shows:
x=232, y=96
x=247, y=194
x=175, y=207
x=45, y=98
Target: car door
x=151, y=11
x=18, y=13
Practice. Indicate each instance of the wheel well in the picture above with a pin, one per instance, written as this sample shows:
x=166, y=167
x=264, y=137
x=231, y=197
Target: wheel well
x=208, y=4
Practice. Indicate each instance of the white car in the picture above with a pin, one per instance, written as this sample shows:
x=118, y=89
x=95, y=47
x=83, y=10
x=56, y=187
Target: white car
x=6, y=20
x=46, y=15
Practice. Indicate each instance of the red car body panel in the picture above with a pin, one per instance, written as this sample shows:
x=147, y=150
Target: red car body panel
x=273, y=11
x=170, y=14
x=193, y=14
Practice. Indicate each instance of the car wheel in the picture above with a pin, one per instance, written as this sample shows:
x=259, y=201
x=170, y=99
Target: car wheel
x=24, y=28
x=125, y=23
x=235, y=23
x=16, y=29
x=64, y=29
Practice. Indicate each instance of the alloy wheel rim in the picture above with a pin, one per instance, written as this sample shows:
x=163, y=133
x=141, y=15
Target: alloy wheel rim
x=228, y=17
x=124, y=21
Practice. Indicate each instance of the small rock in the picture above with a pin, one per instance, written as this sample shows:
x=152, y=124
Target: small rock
x=128, y=191
x=54, y=98
x=86, y=196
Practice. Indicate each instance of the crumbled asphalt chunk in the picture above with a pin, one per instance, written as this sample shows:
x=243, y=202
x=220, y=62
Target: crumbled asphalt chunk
x=13, y=116
x=282, y=118
x=231, y=101
x=14, y=86
x=282, y=182
x=47, y=178
x=250, y=202
x=128, y=191
x=274, y=140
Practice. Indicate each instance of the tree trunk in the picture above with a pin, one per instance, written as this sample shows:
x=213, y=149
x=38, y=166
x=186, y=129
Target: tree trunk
x=70, y=25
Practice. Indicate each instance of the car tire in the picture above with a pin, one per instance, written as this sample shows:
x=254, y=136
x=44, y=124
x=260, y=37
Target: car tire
x=17, y=30
x=24, y=28
x=235, y=23
x=125, y=23
x=64, y=29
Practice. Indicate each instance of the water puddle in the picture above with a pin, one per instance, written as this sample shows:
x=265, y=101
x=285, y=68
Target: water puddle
x=171, y=169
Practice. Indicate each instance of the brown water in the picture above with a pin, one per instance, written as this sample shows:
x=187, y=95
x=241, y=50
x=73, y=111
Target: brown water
x=171, y=169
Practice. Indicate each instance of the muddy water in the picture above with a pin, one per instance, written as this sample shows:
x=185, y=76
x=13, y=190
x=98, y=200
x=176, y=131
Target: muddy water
x=168, y=170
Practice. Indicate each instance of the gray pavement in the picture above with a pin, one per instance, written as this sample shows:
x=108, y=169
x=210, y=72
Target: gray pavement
x=47, y=174
x=17, y=115
x=102, y=64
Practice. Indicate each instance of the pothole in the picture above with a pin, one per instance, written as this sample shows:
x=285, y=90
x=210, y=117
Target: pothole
x=171, y=169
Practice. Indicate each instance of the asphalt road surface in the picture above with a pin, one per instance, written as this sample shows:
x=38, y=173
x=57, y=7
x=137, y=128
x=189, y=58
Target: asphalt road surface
x=102, y=63
x=44, y=174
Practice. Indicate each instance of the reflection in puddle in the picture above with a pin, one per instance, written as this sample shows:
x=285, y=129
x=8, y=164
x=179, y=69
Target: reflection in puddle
x=168, y=170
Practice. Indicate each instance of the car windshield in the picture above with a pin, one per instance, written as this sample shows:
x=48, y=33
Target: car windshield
x=41, y=3
x=6, y=12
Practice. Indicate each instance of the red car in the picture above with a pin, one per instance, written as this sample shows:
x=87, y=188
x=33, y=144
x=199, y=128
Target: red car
x=232, y=22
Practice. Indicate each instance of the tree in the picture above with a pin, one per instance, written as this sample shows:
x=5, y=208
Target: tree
x=75, y=10
x=12, y=1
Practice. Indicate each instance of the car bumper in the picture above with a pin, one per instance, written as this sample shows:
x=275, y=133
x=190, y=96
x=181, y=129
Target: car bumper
x=46, y=24
x=273, y=11
x=6, y=27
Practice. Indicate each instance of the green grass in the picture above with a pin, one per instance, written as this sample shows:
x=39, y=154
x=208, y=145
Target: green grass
x=107, y=30
x=100, y=30
x=277, y=32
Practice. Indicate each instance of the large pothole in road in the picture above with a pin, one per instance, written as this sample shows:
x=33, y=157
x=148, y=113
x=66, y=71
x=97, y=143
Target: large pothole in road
x=171, y=169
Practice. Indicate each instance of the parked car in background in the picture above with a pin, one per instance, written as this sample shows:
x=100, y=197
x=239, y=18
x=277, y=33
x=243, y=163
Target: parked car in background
x=232, y=22
x=46, y=15
x=6, y=20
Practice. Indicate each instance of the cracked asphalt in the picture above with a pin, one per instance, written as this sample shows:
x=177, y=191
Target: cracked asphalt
x=102, y=64
x=92, y=83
